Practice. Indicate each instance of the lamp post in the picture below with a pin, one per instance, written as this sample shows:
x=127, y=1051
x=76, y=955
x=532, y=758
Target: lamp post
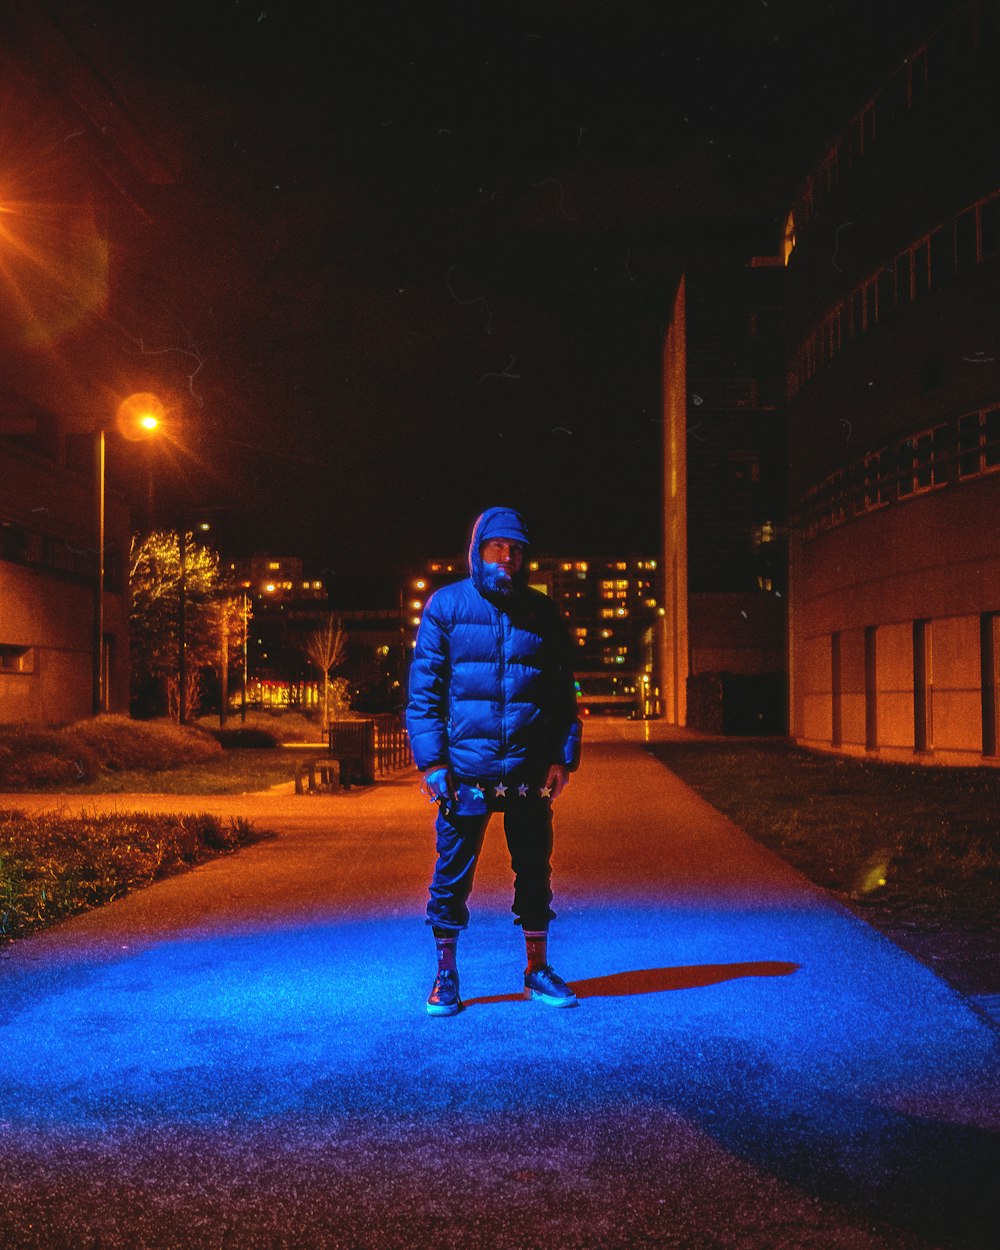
x=97, y=684
x=138, y=417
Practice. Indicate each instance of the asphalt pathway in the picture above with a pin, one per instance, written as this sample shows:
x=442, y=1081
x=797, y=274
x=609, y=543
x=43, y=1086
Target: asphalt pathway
x=239, y=1057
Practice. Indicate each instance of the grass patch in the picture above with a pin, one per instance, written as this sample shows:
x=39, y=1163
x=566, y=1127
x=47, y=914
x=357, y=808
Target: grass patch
x=243, y=771
x=263, y=728
x=54, y=866
x=856, y=826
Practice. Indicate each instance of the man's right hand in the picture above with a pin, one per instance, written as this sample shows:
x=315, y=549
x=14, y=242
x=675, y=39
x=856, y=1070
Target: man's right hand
x=439, y=785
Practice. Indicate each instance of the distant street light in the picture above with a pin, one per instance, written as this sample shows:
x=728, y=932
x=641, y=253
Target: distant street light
x=138, y=417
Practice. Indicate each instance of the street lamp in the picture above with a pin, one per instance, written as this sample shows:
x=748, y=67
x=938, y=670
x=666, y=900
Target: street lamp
x=138, y=417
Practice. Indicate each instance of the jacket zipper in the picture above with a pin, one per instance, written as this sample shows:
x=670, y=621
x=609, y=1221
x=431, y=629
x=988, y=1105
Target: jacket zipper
x=503, y=694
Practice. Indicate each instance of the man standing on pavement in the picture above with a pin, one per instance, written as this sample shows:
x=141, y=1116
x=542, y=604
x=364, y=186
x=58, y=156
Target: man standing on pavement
x=493, y=727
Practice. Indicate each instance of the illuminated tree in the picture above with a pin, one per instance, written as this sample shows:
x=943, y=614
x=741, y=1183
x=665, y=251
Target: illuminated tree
x=325, y=648
x=213, y=615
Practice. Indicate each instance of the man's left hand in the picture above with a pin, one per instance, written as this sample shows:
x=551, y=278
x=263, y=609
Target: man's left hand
x=556, y=779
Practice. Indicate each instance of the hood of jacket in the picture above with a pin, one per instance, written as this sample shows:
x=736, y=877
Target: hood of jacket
x=496, y=523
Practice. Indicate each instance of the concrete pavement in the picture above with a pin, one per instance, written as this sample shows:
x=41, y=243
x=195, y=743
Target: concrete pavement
x=239, y=1057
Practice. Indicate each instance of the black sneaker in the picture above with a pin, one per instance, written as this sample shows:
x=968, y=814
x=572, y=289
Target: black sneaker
x=547, y=985
x=444, y=999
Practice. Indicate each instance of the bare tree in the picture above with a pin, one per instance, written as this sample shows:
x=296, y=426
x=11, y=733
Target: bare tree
x=325, y=648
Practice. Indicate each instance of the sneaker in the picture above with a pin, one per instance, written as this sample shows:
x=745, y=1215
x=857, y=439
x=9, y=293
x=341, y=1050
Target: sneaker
x=547, y=985
x=444, y=999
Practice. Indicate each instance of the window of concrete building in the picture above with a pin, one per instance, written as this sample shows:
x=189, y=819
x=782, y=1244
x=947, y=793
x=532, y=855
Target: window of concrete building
x=989, y=227
x=788, y=242
x=871, y=303
x=922, y=703
x=871, y=689
x=901, y=91
x=965, y=31
x=989, y=643
x=15, y=659
x=874, y=495
x=918, y=77
x=886, y=292
x=979, y=442
x=921, y=268
x=918, y=469
x=903, y=280
x=942, y=258
x=966, y=240
x=970, y=456
x=857, y=313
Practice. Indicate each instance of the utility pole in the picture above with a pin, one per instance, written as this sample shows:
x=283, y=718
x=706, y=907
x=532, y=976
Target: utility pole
x=182, y=627
x=98, y=691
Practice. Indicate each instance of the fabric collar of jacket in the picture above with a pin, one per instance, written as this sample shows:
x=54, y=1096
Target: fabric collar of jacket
x=496, y=523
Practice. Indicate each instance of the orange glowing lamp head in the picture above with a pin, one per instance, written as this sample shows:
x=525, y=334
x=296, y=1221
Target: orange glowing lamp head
x=140, y=416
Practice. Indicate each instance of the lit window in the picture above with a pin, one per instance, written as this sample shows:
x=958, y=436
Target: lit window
x=274, y=566
x=650, y=603
x=606, y=612
x=788, y=244
x=582, y=566
x=621, y=565
x=581, y=633
x=317, y=585
x=17, y=659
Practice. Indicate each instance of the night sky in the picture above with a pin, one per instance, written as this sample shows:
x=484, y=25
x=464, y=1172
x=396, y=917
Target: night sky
x=421, y=255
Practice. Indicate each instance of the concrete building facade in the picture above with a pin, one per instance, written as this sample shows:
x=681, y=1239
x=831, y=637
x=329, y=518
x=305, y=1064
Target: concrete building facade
x=76, y=175
x=722, y=633
x=893, y=251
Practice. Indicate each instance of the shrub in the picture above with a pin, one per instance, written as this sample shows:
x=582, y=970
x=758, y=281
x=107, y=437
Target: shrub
x=53, y=866
x=30, y=758
x=123, y=745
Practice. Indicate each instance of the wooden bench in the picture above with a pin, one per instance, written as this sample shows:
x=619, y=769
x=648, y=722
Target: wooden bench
x=318, y=772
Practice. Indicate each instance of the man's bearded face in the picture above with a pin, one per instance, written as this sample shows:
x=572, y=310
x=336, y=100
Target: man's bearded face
x=502, y=560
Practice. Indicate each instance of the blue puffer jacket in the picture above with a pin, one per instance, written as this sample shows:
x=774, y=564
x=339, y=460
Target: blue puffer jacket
x=491, y=686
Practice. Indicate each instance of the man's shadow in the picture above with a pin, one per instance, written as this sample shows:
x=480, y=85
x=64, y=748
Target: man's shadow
x=657, y=980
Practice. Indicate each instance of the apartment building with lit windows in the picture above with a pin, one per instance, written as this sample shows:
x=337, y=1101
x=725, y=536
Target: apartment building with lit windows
x=893, y=266
x=722, y=632
x=611, y=606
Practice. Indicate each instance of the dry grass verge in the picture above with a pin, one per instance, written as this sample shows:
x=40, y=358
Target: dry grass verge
x=912, y=849
x=53, y=866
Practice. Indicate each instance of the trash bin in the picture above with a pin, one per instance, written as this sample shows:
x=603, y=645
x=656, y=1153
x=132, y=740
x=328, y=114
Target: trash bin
x=354, y=742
